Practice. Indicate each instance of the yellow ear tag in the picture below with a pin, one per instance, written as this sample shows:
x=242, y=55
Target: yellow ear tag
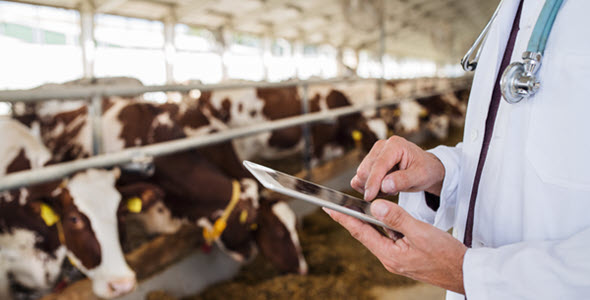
x=48, y=215
x=134, y=205
x=357, y=136
x=397, y=112
x=423, y=113
x=243, y=216
x=72, y=262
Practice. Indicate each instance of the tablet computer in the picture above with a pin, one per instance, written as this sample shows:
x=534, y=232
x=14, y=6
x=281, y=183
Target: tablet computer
x=316, y=194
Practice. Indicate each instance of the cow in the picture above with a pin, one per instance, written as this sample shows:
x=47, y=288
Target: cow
x=43, y=224
x=247, y=106
x=207, y=189
x=426, y=116
x=198, y=191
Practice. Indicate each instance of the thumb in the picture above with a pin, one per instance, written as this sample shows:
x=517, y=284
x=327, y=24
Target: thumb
x=399, y=181
x=393, y=215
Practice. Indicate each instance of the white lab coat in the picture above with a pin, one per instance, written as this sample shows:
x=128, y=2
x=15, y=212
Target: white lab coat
x=531, y=238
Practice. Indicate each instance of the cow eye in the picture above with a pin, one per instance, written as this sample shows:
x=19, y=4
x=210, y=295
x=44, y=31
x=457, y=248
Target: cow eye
x=75, y=221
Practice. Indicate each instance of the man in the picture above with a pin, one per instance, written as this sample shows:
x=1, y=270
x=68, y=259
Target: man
x=515, y=190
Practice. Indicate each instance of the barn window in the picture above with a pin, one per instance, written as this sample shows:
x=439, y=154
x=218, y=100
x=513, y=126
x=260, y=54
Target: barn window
x=197, y=55
x=243, y=58
x=130, y=47
x=39, y=45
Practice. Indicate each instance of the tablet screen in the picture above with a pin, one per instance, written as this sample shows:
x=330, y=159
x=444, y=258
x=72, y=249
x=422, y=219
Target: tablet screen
x=316, y=194
x=324, y=193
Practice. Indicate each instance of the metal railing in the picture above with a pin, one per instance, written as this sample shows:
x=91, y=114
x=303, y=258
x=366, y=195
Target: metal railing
x=23, y=178
x=70, y=93
x=94, y=94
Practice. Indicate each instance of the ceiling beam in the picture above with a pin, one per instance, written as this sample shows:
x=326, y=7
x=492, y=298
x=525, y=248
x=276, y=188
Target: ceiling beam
x=267, y=6
x=109, y=5
x=195, y=6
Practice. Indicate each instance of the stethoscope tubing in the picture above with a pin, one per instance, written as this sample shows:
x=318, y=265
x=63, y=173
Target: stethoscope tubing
x=538, y=39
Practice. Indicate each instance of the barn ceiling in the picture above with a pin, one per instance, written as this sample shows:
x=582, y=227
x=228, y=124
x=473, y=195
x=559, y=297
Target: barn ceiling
x=435, y=29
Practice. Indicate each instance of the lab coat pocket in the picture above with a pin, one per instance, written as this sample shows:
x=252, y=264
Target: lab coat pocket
x=558, y=145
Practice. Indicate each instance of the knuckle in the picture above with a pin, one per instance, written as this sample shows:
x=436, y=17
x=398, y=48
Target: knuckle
x=396, y=139
x=393, y=138
x=362, y=175
x=396, y=217
x=401, y=180
x=379, y=144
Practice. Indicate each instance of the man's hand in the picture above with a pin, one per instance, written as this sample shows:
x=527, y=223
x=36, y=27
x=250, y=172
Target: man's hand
x=425, y=253
x=418, y=169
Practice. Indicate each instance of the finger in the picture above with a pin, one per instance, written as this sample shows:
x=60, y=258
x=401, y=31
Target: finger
x=389, y=157
x=400, y=181
x=356, y=184
x=378, y=244
x=395, y=217
x=362, y=172
x=403, y=244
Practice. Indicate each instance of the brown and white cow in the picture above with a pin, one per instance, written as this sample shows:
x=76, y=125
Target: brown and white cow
x=199, y=187
x=207, y=188
x=42, y=224
x=247, y=106
x=429, y=116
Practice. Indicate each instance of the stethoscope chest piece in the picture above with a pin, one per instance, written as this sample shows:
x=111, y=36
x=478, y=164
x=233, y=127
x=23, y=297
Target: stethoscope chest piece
x=519, y=80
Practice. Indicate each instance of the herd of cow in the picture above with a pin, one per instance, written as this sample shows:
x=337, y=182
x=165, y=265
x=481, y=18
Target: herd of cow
x=81, y=217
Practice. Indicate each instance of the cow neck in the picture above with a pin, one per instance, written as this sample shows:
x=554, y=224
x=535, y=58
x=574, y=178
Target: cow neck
x=188, y=178
x=489, y=128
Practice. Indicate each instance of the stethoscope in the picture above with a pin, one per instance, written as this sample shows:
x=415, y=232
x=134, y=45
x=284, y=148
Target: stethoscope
x=519, y=80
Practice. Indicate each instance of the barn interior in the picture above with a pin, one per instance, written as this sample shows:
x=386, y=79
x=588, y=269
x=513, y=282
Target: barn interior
x=395, y=62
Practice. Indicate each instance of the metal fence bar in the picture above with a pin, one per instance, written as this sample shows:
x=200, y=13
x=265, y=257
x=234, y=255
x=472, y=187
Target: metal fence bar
x=36, y=95
x=306, y=130
x=18, y=179
x=95, y=113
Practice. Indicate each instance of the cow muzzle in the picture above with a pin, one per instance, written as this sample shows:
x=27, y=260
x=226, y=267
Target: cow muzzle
x=116, y=287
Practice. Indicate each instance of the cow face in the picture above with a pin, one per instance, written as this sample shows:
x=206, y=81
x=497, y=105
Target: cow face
x=145, y=203
x=87, y=207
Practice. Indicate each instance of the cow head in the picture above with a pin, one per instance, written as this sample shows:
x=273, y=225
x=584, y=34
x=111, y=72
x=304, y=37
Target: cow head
x=145, y=203
x=84, y=210
x=277, y=237
x=410, y=114
x=355, y=129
